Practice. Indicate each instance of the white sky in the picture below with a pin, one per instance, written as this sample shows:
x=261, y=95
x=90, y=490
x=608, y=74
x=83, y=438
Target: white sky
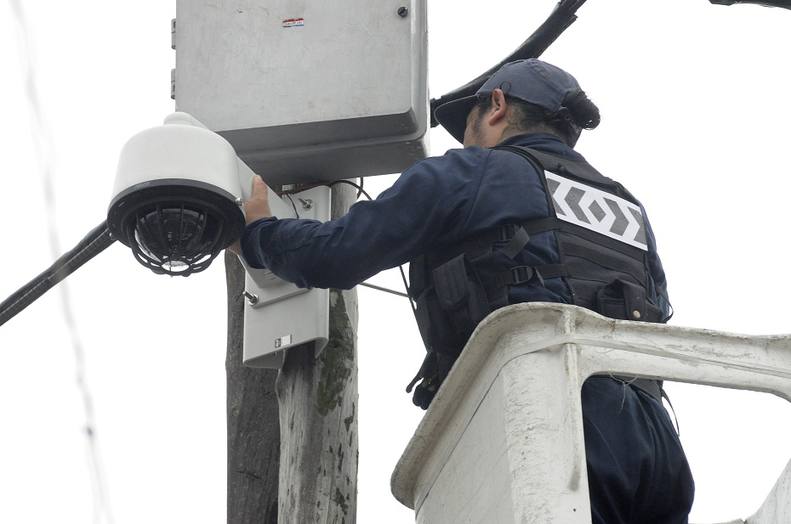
x=695, y=109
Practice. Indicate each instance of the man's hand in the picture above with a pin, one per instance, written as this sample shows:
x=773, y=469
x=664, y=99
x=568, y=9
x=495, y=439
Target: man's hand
x=256, y=208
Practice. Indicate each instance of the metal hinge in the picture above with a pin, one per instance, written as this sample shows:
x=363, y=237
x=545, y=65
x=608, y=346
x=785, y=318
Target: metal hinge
x=173, y=84
x=173, y=34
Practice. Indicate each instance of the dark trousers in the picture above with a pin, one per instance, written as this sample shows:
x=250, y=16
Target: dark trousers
x=637, y=470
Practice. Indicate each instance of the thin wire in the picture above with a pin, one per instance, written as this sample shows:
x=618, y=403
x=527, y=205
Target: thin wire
x=44, y=148
x=406, y=286
x=386, y=290
x=359, y=191
x=296, y=213
x=400, y=268
x=350, y=183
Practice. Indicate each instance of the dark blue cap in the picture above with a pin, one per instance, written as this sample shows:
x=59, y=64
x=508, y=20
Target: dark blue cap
x=530, y=80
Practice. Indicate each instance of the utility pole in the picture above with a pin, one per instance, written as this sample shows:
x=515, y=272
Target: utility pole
x=264, y=75
x=252, y=415
x=318, y=415
x=317, y=430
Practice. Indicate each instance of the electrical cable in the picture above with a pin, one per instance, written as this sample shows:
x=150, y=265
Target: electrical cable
x=359, y=191
x=93, y=244
x=550, y=30
x=296, y=213
x=359, y=188
x=766, y=3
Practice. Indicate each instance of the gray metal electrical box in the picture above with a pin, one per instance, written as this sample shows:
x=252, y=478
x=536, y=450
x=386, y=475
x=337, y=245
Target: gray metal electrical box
x=307, y=90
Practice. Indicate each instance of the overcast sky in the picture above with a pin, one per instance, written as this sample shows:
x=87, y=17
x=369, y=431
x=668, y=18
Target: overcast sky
x=695, y=113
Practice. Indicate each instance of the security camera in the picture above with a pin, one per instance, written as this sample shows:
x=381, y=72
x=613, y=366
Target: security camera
x=176, y=201
x=177, y=204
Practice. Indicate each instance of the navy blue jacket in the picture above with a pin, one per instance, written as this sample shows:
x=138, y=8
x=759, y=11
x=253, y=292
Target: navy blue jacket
x=438, y=201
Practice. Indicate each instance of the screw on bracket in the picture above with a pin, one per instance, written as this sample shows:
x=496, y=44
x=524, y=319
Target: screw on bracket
x=403, y=11
x=252, y=299
x=306, y=203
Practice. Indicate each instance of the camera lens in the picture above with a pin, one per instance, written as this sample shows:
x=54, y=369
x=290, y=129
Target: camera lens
x=176, y=239
x=175, y=227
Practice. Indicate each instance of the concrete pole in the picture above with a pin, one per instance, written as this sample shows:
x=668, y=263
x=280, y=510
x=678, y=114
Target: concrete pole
x=252, y=414
x=318, y=415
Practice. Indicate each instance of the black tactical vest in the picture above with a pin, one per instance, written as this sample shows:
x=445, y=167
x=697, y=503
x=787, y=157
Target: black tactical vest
x=601, y=236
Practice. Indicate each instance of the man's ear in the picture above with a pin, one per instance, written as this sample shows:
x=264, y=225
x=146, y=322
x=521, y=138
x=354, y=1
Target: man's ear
x=499, y=108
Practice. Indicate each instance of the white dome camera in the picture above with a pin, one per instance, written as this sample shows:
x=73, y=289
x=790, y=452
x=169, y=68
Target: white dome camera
x=177, y=196
x=177, y=205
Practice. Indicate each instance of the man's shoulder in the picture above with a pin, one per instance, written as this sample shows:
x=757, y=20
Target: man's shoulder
x=460, y=166
x=480, y=159
x=460, y=170
x=472, y=156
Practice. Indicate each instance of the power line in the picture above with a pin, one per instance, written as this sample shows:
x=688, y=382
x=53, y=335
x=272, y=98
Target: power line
x=43, y=143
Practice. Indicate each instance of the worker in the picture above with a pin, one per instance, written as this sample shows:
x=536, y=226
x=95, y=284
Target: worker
x=515, y=216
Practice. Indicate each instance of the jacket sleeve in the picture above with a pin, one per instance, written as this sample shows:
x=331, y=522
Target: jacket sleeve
x=426, y=207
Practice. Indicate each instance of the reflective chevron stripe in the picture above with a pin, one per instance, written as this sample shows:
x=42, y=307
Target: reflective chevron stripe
x=598, y=211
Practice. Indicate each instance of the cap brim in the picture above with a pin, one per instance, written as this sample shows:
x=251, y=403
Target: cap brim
x=453, y=115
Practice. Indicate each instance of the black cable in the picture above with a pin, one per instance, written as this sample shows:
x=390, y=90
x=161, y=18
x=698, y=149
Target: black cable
x=296, y=213
x=354, y=185
x=359, y=192
x=558, y=21
x=94, y=243
x=765, y=3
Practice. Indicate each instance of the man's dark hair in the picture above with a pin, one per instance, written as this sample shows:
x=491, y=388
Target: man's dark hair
x=579, y=113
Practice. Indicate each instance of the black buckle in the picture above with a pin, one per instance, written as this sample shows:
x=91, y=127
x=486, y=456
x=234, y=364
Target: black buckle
x=505, y=233
x=522, y=274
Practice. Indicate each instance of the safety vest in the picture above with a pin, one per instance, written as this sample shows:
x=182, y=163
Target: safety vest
x=602, y=239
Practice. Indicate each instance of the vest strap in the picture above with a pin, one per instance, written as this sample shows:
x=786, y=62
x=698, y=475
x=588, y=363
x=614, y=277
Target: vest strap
x=516, y=243
x=519, y=275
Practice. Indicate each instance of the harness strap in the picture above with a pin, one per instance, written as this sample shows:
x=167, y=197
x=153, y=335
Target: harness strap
x=566, y=166
x=552, y=270
x=519, y=275
x=543, y=225
x=516, y=244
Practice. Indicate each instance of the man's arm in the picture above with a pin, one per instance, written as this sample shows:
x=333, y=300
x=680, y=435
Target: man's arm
x=426, y=207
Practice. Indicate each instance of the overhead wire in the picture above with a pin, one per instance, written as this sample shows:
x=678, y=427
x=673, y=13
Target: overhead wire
x=44, y=147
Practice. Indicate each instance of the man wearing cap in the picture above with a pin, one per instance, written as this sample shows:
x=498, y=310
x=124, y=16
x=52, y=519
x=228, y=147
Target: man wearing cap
x=515, y=216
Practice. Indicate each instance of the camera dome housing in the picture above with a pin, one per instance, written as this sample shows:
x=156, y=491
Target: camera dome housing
x=177, y=197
